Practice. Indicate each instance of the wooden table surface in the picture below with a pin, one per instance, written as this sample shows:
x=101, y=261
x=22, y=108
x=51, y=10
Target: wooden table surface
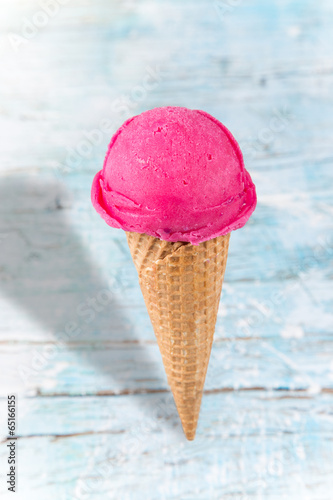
x=95, y=416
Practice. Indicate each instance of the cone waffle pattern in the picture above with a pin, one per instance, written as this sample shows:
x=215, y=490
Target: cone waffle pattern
x=181, y=285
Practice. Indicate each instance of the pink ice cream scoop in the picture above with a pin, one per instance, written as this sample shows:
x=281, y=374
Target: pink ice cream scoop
x=175, y=174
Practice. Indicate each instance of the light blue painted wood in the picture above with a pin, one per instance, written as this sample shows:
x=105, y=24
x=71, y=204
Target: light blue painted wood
x=95, y=410
x=258, y=442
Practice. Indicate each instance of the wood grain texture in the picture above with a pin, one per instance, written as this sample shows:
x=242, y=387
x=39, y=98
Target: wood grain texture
x=96, y=418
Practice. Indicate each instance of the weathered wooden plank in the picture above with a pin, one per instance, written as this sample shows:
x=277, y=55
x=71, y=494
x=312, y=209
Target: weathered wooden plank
x=248, y=444
x=292, y=363
x=260, y=310
x=223, y=75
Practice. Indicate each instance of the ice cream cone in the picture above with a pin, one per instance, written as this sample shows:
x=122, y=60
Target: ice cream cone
x=181, y=285
x=176, y=179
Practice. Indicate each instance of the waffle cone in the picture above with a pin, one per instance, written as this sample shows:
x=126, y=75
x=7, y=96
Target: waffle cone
x=181, y=285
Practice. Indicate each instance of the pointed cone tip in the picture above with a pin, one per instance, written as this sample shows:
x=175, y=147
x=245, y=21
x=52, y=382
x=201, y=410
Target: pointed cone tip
x=190, y=435
x=189, y=420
